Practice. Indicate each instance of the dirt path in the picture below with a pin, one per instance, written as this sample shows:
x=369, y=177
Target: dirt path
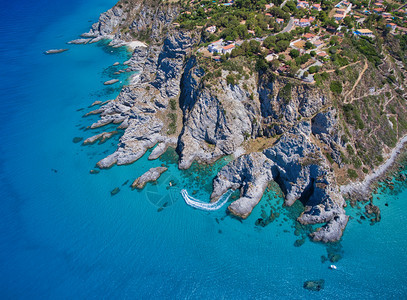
x=341, y=68
x=356, y=83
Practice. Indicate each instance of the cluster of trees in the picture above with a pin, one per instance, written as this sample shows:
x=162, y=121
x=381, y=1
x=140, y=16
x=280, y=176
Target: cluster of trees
x=278, y=43
x=247, y=49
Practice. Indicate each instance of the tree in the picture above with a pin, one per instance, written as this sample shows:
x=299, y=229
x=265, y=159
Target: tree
x=282, y=46
x=258, y=31
x=270, y=42
x=308, y=45
x=294, y=53
x=313, y=69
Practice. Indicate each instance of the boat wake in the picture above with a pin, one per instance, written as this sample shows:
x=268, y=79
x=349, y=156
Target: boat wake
x=196, y=203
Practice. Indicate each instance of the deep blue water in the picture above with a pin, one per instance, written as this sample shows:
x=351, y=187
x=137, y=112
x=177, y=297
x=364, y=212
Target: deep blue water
x=62, y=234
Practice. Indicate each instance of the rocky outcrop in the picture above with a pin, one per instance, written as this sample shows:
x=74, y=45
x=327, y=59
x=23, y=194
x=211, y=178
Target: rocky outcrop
x=110, y=82
x=101, y=137
x=80, y=41
x=107, y=24
x=150, y=176
x=284, y=102
x=125, y=21
x=217, y=122
x=298, y=166
x=326, y=128
x=162, y=147
x=251, y=174
x=140, y=108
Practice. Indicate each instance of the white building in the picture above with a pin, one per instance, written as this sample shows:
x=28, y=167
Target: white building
x=211, y=29
x=216, y=47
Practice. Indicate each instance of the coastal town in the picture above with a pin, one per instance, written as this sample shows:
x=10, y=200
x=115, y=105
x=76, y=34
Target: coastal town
x=300, y=39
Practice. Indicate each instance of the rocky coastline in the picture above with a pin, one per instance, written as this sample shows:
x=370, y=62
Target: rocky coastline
x=169, y=104
x=362, y=190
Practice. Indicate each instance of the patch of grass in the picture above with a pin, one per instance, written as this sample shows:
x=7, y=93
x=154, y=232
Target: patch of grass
x=173, y=104
x=172, y=126
x=352, y=174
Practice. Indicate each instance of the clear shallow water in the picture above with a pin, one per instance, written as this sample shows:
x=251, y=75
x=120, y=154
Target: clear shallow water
x=62, y=234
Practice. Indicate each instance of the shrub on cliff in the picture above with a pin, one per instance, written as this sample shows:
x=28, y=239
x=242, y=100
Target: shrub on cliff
x=230, y=79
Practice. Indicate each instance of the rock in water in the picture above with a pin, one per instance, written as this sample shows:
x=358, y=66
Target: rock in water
x=101, y=137
x=116, y=63
x=97, y=102
x=79, y=41
x=314, y=285
x=94, y=171
x=55, y=51
x=115, y=191
x=112, y=81
x=151, y=175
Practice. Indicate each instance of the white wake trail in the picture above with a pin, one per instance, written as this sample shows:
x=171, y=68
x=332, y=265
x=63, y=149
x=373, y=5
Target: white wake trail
x=196, y=203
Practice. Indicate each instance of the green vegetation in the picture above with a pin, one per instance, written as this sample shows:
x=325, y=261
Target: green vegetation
x=172, y=126
x=173, y=104
x=352, y=174
x=352, y=116
x=230, y=79
x=336, y=87
x=369, y=48
x=285, y=93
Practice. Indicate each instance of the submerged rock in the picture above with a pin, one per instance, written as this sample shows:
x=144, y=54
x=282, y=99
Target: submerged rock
x=314, y=285
x=77, y=139
x=373, y=210
x=299, y=243
x=151, y=175
x=115, y=191
x=94, y=171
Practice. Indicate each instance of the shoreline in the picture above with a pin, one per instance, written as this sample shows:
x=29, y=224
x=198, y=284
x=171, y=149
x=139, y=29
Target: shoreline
x=363, y=189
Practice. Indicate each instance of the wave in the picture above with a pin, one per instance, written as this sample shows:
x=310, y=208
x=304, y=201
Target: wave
x=196, y=203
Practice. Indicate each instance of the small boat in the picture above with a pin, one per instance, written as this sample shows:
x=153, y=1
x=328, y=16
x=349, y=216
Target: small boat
x=332, y=267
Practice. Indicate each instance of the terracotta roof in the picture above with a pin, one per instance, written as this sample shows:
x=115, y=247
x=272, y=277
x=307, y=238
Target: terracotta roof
x=216, y=42
x=309, y=35
x=229, y=47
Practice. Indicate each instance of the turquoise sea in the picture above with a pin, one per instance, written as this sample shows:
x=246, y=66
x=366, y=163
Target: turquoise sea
x=63, y=235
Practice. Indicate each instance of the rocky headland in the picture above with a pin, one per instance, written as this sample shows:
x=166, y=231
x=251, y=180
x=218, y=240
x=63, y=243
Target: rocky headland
x=277, y=128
